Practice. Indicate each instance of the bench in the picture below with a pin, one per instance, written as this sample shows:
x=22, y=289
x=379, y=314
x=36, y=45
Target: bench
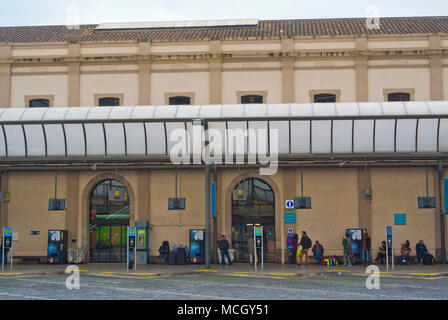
x=31, y=257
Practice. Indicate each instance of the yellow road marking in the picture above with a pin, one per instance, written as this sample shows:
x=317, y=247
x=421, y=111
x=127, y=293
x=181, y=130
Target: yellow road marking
x=205, y=271
x=144, y=274
x=282, y=274
x=10, y=274
x=108, y=272
x=425, y=274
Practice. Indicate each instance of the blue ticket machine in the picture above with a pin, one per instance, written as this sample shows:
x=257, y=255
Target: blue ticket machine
x=57, y=246
x=197, y=246
x=142, y=253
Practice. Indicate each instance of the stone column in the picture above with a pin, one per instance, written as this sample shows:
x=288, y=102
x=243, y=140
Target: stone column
x=436, y=67
x=361, y=68
x=71, y=221
x=5, y=76
x=215, y=73
x=144, y=73
x=74, y=72
x=288, y=76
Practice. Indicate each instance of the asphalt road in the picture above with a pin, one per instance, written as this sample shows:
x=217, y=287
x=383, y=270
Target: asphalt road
x=214, y=287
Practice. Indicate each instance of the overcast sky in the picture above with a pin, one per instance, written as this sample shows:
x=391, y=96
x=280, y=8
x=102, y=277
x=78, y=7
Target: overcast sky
x=49, y=12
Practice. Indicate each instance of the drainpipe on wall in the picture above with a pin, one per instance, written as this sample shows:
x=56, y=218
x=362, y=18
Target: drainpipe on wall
x=215, y=224
x=442, y=216
x=207, y=216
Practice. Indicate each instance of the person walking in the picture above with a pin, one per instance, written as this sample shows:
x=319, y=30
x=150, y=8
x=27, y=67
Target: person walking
x=224, y=246
x=306, y=244
x=366, y=246
x=318, y=251
x=347, y=244
x=421, y=250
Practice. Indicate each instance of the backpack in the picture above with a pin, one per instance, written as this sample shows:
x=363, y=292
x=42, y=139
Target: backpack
x=428, y=259
x=402, y=260
x=289, y=242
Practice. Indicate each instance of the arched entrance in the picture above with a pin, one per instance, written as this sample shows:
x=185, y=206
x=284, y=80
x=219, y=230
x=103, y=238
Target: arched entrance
x=108, y=222
x=253, y=203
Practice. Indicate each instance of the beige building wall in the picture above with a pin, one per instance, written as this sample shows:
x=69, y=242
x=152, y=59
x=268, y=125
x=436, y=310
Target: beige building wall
x=399, y=78
x=395, y=191
x=178, y=83
x=445, y=83
x=110, y=84
x=258, y=82
x=28, y=209
x=334, y=192
x=327, y=79
x=39, y=85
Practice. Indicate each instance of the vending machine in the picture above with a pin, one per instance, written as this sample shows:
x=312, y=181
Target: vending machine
x=197, y=245
x=57, y=246
x=357, y=237
x=142, y=228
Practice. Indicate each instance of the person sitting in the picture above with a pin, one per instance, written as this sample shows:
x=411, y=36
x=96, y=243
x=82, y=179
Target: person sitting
x=421, y=250
x=381, y=253
x=164, y=251
x=405, y=252
x=318, y=252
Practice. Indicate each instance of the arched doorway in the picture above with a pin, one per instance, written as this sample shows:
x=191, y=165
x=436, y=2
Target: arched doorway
x=253, y=203
x=108, y=222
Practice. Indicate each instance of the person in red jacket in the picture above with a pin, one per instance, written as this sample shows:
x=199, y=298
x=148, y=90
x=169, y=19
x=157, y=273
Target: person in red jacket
x=318, y=252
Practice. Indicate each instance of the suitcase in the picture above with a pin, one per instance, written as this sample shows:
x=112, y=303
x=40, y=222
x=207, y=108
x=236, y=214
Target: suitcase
x=428, y=259
x=181, y=256
x=172, y=258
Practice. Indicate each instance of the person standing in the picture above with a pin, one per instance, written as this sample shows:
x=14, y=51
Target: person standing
x=366, y=246
x=347, y=244
x=318, y=251
x=421, y=250
x=224, y=246
x=306, y=244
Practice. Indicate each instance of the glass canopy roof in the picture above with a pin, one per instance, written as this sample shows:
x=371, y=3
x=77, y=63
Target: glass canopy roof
x=392, y=128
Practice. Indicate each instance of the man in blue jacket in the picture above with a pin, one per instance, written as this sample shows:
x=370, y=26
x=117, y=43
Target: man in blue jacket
x=421, y=250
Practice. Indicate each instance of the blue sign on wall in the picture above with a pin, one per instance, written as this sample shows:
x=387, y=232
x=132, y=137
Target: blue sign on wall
x=131, y=232
x=213, y=199
x=400, y=219
x=446, y=195
x=35, y=233
x=290, y=217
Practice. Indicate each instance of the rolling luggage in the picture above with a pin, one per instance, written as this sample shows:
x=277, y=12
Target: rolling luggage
x=181, y=256
x=172, y=258
x=428, y=259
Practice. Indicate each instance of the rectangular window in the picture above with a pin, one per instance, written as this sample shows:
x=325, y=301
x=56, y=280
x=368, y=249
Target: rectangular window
x=109, y=99
x=179, y=100
x=324, y=97
x=109, y=102
x=253, y=98
x=39, y=103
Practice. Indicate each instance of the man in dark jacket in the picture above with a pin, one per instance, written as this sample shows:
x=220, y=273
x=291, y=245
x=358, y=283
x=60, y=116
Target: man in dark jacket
x=421, y=250
x=366, y=246
x=305, y=243
x=224, y=246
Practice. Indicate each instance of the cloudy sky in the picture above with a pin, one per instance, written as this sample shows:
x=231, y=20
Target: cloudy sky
x=48, y=12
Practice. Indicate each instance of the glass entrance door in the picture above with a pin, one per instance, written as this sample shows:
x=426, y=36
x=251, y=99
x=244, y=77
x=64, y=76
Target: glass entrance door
x=109, y=221
x=253, y=204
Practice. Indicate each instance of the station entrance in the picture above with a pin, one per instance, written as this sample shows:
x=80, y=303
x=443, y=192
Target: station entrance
x=253, y=203
x=108, y=222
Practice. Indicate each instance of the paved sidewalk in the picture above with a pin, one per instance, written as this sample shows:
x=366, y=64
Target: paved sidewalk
x=240, y=269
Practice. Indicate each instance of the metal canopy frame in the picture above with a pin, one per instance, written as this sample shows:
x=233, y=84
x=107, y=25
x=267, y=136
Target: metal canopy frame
x=350, y=131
